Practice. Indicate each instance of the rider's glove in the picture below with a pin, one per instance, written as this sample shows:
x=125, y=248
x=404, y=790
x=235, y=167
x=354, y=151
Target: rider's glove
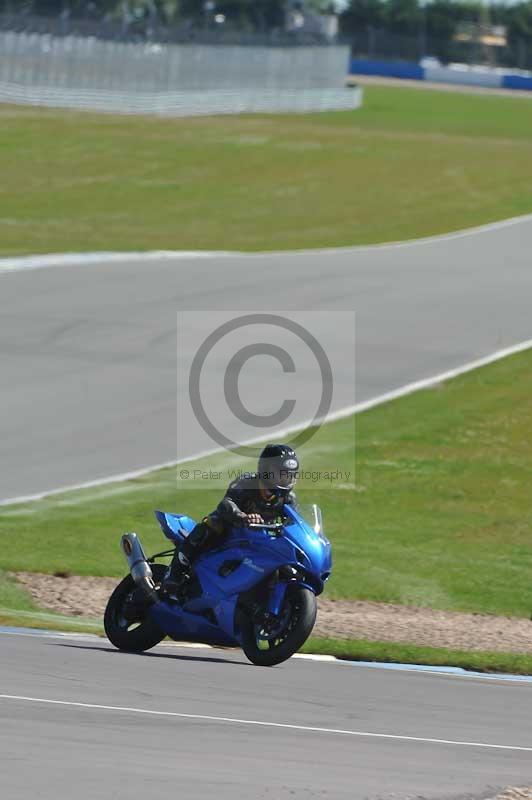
x=254, y=519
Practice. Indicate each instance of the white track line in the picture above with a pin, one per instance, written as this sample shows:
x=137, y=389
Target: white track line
x=263, y=724
x=23, y=263
x=20, y=263
x=402, y=391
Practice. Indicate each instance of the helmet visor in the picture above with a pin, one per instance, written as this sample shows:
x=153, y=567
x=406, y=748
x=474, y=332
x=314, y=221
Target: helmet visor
x=279, y=480
x=286, y=479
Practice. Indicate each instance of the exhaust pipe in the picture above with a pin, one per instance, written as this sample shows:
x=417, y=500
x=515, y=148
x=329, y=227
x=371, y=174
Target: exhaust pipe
x=138, y=565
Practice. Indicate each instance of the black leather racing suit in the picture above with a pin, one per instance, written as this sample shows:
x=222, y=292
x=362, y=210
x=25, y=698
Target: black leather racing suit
x=243, y=497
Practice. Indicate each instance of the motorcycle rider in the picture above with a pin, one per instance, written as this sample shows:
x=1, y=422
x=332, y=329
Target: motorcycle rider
x=252, y=498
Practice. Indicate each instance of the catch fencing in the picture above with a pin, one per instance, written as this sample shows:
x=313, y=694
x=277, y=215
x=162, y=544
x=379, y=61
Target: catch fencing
x=183, y=79
x=373, y=44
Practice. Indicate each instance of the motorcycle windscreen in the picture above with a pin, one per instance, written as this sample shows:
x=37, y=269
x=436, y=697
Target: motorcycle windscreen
x=309, y=538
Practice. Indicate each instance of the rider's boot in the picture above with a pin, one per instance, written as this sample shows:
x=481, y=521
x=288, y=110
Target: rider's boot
x=178, y=574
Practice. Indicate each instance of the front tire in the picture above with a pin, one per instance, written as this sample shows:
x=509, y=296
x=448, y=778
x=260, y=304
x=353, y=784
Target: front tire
x=132, y=634
x=300, y=610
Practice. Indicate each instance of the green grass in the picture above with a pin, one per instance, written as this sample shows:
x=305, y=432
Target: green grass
x=439, y=515
x=13, y=596
x=408, y=164
x=49, y=621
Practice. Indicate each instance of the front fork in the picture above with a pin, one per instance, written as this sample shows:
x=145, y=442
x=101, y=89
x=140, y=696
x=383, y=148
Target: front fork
x=276, y=597
x=278, y=587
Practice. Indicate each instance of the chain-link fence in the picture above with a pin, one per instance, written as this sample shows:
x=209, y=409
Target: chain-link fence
x=381, y=44
x=153, y=29
x=87, y=72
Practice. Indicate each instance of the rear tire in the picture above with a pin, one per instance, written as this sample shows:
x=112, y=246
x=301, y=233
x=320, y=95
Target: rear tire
x=119, y=630
x=301, y=618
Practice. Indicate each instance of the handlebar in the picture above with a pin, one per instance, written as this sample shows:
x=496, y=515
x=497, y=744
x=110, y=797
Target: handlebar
x=264, y=526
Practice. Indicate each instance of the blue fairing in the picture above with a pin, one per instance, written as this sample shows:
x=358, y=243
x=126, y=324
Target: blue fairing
x=246, y=558
x=175, y=526
x=314, y=547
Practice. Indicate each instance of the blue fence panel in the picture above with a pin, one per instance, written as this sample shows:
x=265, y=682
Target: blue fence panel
x=517, y=82
x=387, y=69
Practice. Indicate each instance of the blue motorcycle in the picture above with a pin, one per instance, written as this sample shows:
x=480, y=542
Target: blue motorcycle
x=257, y=590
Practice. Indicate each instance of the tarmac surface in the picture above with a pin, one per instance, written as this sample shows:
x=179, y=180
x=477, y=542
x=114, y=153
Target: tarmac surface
x=204, y=723
x=88, y=351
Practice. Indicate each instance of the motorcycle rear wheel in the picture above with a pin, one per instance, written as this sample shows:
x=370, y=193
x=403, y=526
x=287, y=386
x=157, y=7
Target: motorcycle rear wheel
x=302, y=609
x=134, y=635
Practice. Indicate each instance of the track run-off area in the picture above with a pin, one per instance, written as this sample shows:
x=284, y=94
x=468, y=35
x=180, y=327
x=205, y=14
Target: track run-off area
x=88, y=352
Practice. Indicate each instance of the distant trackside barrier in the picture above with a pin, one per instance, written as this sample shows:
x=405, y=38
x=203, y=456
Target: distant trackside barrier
x=388, y=69
x=179, y=80
x=458, y=74
x=517, y=82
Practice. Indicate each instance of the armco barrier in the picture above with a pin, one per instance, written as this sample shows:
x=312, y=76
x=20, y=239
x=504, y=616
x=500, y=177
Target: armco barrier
x=388, y=69
x=459, y=74
x=463, y=77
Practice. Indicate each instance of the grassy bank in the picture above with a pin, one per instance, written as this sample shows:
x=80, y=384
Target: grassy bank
x=13, y=597
x=44, y=620
x=79, y=181
x=439, y=514
x=387, y=652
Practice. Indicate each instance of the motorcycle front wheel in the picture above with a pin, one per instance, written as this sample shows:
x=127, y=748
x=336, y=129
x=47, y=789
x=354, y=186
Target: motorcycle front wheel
x=130, y=631
x=264, y=647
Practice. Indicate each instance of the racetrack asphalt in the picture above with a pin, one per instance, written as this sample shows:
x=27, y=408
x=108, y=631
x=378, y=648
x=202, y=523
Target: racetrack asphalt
x=108, y=749
x=88, y=352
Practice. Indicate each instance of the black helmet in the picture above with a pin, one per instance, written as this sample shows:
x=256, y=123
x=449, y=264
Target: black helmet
x=278, y=468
